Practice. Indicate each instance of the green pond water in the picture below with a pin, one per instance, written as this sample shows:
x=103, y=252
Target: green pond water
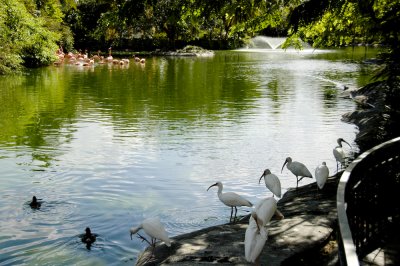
x=107, y=146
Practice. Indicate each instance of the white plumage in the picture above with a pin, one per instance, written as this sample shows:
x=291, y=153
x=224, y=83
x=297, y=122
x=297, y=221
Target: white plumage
x=339, y=154
x=256, y=233
x=254, y=240
x=272, y=182
x=297, y=168
x=321, y=174
x=231, y=199
x=153, y=228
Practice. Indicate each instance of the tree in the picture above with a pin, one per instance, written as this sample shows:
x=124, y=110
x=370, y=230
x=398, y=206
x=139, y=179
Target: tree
x=83, y=19
x=30, y=33
x=167, y=18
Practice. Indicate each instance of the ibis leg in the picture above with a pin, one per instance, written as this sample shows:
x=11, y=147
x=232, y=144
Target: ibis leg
x=143, y=239
x=235, y=213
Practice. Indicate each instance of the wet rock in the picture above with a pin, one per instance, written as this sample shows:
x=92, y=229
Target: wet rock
x=375, y=117
x=189, y=50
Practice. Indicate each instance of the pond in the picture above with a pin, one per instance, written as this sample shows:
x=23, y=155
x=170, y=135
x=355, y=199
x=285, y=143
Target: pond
x=107, y=146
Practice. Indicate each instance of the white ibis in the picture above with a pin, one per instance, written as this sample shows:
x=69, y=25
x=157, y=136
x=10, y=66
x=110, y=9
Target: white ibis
x=321, y=175
x=153, y=228
x=272, y=182
x=231, y=199
x=88, y=238
x=297, y=168
x=35, y=204
x=256, y=233
x=339, y=153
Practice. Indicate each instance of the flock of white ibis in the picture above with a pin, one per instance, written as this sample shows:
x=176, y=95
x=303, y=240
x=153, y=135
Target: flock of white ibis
x=256, y=232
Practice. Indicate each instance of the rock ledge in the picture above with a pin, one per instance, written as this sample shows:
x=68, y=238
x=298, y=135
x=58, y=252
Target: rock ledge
x=310, y=221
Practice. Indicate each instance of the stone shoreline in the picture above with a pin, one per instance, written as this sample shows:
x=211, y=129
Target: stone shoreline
x=305, y=232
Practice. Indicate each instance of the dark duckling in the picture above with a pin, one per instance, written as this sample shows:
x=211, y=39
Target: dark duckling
x=35, y=204
x=88, y=238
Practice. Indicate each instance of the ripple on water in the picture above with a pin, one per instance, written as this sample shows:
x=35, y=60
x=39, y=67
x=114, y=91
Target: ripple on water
x=109, y=155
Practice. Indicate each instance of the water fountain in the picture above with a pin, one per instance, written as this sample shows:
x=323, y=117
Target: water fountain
x=266, y=42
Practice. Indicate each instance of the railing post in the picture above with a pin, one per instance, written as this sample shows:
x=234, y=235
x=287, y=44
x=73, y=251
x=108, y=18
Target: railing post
x=347, y=249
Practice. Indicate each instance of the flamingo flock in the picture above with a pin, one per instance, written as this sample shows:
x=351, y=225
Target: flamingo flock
x=84, y=59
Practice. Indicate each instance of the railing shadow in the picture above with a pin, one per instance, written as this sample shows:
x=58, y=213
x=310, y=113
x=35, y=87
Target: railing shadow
x=368, y=205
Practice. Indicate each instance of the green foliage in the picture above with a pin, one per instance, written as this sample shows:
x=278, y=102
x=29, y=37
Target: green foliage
x=348, y=22
x=120, y=23
x=336, y=27
x=168, y=16
x=40, y=49
x=67, y=38
x=30, y=33
x=9, y=62
x=294, y=41
x=10, y=40
x=32, y=28
x=83, y=21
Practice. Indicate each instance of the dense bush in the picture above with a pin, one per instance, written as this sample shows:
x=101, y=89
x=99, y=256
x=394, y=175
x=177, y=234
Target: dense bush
x=30, y=32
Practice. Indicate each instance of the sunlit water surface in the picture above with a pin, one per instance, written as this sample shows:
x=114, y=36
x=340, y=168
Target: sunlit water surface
x=108, y=146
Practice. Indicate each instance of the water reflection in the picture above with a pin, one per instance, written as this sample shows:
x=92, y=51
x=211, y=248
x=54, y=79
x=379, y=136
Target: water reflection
x=106, y=147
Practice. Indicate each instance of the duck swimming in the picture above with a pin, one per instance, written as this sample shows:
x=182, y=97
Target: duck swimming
x=35, y=204
x=88, y=238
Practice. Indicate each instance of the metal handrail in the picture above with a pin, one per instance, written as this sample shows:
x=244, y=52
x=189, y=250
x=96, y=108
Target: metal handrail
x=352, y=185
